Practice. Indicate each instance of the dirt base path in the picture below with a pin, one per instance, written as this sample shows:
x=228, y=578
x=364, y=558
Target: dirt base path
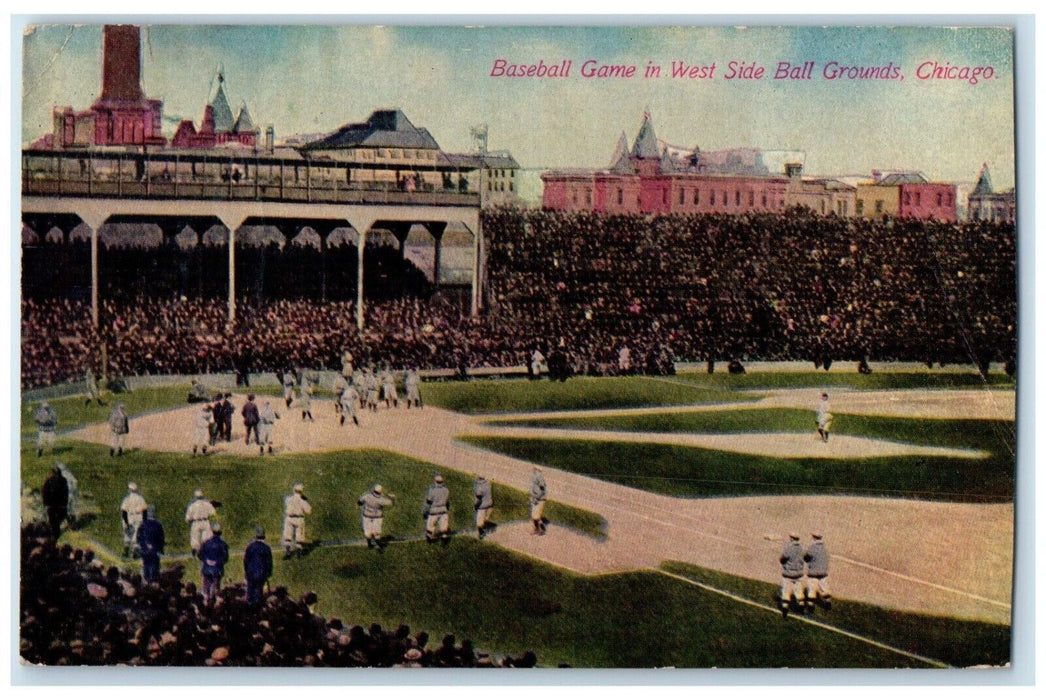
x=937, y=558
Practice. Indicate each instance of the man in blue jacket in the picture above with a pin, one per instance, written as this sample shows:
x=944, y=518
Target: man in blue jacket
x=151, y=543
x=257, y=565
x=214, y=553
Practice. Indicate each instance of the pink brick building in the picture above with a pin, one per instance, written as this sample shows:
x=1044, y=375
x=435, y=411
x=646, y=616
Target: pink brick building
x=647, y=179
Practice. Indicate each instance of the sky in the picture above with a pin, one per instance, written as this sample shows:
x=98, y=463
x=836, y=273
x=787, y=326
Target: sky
x=315, y=78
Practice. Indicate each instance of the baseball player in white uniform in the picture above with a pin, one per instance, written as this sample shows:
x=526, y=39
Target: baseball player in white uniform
x=198, y=515
x=295, y=507
x=437, y=511
x=201, y=429
x=370, y=379
x=267, y=417
x=412, y=382
x=388, y=388
x=340, y=384
x=305, y=398
x=484, y=505
x=46, y=423
x=538, y=495
x=372, y=505
x=132, y=511
x=349, y=401
x=824, y=418
x=289, y=382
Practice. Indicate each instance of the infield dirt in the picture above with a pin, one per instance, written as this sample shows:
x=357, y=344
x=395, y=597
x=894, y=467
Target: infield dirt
x=946, y=559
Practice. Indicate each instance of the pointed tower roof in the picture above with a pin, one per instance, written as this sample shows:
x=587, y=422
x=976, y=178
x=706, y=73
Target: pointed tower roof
x=645, y=145
x=223, y=120
x=620, y=150
x=620, y=164
x=984, y=182
x=244, y=123
x=667, y=164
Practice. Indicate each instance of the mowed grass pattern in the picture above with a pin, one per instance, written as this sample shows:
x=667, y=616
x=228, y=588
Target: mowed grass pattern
x=694, y=472
x=877, y=381
x=994, y=436
x=490, y=396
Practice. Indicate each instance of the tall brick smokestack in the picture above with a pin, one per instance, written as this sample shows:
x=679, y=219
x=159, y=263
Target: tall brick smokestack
x=122, y=63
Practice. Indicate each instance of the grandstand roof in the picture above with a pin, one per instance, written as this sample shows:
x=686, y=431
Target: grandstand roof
x=384, y=128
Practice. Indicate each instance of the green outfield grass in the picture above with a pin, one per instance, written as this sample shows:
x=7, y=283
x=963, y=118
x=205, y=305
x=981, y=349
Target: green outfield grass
x=694, y=472
x=956, y=642
x=995, y=436
x=251, y=491
x=508, y=603
x=502, y=396
x=930, y=379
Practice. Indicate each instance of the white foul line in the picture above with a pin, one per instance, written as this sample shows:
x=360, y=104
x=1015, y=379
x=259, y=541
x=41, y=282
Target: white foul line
x=956, y=591
x=808, y=621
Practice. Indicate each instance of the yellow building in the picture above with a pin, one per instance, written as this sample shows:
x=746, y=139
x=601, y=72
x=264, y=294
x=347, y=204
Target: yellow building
x=821, y=195
x=875, y=200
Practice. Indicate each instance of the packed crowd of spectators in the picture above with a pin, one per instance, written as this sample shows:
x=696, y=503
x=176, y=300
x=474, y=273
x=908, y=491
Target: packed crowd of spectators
x=77, y=612
x=698, y=288
x=757, y=286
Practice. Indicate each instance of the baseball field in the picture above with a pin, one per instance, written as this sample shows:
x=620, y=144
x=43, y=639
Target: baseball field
x=670, y=501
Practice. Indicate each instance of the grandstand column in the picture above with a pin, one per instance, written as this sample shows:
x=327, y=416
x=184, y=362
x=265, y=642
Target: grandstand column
x=232, y=222
x=93, y=219
x=361, y=227
x=401, y=231
x=477, y=268
x=436, y=228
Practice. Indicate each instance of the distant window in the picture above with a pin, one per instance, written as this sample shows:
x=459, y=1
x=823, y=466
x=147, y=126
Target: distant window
x=664, y=196
x=751, y=199
x=682, y=196
x=620, y=196
x=907, y=199
x=940, y=199
x=697, y=197
x=878, y=206
x=764, y=200
x=510, y=186
x=918, y=197
x=737, y=198
x=711, y=199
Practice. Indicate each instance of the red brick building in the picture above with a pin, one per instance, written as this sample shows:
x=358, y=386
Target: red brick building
x=649, y=179
x=122, y=115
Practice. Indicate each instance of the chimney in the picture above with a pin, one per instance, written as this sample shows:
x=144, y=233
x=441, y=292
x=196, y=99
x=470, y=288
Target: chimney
x=122, y=63
x=270, y=138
